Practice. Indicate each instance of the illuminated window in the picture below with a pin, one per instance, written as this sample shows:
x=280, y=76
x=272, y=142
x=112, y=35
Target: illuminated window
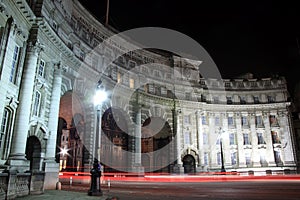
x=14, y=65
x=275, y=137
x=118, y=77
x=131, y=83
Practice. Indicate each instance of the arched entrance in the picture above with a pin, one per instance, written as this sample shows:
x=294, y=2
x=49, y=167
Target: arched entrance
x=156, y=135
x=114, y=141
x=189, y=164
x=33, y=153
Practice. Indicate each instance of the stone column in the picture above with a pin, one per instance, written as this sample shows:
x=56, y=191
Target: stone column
x=200, y=141
x=17, y=155
x=255, y=155
x=178, y=167
x=289, y=157
x=268, y=139
x=138, y=144
x=50, y=165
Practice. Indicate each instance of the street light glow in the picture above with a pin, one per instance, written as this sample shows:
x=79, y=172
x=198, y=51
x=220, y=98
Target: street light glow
x=100, y=97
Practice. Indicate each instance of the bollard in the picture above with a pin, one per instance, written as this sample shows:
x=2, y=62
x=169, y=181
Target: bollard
x=108, y=184
x=71, y=180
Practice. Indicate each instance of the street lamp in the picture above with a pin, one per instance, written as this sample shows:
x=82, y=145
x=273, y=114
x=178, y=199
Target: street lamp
x=99, y=98
x=222, y=158
x=221, y=148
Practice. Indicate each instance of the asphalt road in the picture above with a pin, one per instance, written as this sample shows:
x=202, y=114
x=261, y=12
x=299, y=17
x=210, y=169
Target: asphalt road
x=250, y=190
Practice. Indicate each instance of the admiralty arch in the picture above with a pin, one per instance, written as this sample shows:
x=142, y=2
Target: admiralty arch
x=160, y=115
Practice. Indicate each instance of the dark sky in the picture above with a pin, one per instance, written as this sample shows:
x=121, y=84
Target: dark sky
x=240, y=36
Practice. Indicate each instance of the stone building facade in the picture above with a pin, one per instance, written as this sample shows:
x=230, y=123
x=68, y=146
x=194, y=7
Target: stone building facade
x=161, y=114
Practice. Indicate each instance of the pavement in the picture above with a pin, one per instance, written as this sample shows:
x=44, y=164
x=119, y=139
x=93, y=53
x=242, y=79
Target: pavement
x=64, y=195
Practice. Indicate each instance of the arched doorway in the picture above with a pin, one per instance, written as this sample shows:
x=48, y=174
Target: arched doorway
x=156, y=135
x=189, y=164
x=114, y=141
x=33, y=153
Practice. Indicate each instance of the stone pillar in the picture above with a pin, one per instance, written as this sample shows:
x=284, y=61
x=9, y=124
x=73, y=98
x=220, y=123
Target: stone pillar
x=178, y=168
x=200, y=141
x=138, y=144
x=17, y=155
x=255, y=156
x=289, y=157
x=269, y=144
x=50, y=165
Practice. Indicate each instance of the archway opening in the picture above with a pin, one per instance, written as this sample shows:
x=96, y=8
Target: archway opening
x=156, y=137
x=114, y=141
x=33, y=153
x=189, y=164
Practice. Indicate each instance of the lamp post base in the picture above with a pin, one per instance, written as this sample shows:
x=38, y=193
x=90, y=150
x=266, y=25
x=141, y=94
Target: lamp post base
x=95, y=193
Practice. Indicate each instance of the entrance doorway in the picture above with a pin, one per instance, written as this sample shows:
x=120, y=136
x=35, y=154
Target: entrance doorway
x=189, y=164
x=33, y=153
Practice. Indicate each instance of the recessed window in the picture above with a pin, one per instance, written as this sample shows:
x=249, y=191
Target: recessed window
x=14, y=64
x=41, y=68
x=36, y=105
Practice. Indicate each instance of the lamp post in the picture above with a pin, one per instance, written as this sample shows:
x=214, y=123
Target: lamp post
x=221, y=148
x=222, y=158
x=99, y=98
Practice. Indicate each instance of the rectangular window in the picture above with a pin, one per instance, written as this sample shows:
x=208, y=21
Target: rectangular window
x=131, y=83
x=244, y=121
x=219, y=158
x=118, y=77
x=230, y=121
x=246, y=139
x=187, y=138
x=232, y=139
x=216, y=99
x=248, y=158
x=205, y=138
x=260, y=138
x=36, y=105
x=14, y=64
x=258, y=121
x=204, y=121
x=217, y=121
x=256, y=99
x=271, y=99
x=275, y=137
x=243, y=100
x=41, y=68
x=4, y=127
x=205, y=158
x=273, y=120
x=186, y=119
x=229, y=100
x=234, y=158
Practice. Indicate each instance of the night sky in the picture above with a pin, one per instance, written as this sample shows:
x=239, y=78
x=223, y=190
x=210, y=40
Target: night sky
x=261, y=37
